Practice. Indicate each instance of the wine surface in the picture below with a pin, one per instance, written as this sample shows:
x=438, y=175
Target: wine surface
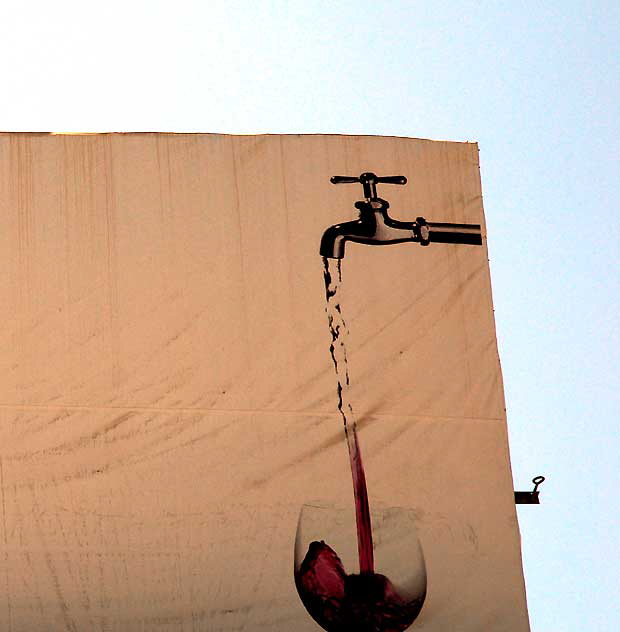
x=338, y=602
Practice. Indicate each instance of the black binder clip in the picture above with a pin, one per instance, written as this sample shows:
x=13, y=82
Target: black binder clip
x=530, y=498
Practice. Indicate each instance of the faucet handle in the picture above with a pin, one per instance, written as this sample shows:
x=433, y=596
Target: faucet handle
x=343, y=179
x=392, y=179
x=369, y=181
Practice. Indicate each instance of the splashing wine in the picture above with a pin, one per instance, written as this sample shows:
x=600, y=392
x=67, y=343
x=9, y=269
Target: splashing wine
x=341, y=602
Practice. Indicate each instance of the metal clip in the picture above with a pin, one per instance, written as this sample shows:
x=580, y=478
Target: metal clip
x=530, y=498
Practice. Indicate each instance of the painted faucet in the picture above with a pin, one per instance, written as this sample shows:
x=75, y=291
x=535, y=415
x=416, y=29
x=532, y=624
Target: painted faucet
x=376, y=227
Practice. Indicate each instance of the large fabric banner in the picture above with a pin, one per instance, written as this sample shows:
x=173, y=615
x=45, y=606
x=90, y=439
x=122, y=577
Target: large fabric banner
x=205, y=425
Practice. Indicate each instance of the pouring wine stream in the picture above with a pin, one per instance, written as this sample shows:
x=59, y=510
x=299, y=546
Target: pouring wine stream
x=338, y=351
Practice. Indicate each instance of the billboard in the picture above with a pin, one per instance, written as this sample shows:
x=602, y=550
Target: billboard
x=174, y=454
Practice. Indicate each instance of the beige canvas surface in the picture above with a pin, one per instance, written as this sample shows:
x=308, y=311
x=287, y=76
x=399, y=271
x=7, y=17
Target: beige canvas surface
x=167, y=398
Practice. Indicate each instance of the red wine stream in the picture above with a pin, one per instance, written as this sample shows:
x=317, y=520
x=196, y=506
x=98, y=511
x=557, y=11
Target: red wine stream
x=341, y=602
x=338, y=351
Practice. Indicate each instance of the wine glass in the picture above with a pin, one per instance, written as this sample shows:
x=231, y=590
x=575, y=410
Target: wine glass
x=340, y=598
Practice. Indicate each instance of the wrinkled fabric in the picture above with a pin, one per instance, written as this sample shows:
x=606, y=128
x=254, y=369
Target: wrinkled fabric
x=168, y=402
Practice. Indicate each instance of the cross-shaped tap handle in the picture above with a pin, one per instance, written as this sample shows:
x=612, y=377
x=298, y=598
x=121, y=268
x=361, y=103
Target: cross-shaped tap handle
x=369, y=181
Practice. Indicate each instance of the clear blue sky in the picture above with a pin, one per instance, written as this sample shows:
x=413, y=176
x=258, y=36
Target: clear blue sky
x=537, y=84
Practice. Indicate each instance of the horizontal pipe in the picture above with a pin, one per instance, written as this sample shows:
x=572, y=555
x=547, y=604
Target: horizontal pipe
x=444, y=233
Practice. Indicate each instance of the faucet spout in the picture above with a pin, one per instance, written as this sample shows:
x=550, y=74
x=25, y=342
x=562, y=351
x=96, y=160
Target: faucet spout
x=335, y=237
